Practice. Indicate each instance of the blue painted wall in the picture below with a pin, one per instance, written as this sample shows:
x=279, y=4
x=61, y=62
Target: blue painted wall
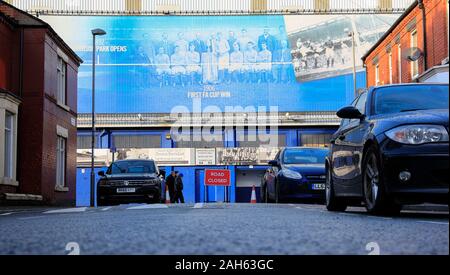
x=193, y=176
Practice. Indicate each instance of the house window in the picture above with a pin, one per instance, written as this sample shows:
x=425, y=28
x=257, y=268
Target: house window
x=377, y=75
x=61, y=81
x=399, y=60
x=390, y=68
x=9, y=144
x=414, y=64
x=61, y=161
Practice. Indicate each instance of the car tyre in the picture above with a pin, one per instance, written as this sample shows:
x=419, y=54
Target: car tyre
x=263, y=193
x=102, y=203
x=277, y=193
x=332, y=202
x=376, y=199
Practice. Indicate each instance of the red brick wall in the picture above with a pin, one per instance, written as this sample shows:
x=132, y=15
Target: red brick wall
x=56, y=115
x=53, y=116
x=6, y=36
x=39, y=115
x=9, y=57
x=30, y=135
x=437, y=44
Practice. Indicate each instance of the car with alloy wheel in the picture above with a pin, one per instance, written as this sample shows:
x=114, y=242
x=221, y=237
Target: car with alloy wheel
x=391, y=149
x=295, y=173
x=129, y=181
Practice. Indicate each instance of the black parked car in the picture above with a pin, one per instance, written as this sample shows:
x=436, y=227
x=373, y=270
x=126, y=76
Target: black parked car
x=296, y=173
x=391, y=149
x=128, y=181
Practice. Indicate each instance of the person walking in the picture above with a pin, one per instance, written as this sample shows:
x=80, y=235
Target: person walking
x=179, y=198
x=170, y=183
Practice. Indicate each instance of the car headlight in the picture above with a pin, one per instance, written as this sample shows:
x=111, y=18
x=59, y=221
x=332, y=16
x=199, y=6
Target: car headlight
x=292, y=174
x=418, y=134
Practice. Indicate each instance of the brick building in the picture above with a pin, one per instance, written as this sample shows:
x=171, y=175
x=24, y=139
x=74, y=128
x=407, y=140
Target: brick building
x=414, y=49
x=38, y=111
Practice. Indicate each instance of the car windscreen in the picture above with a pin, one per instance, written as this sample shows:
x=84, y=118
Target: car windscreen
x=397, y=99
x=304, y=156
x=132, y=167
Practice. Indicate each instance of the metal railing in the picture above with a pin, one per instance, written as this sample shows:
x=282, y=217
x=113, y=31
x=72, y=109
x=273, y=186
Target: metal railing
x=202, y=7
x=227, y=119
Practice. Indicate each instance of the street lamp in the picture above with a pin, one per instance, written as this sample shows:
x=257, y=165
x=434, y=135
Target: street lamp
x=95, y=32
x=352, y=35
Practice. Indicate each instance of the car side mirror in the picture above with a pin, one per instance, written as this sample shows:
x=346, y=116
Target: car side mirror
x=101, y=173
x=349, y=112
x=274, y=163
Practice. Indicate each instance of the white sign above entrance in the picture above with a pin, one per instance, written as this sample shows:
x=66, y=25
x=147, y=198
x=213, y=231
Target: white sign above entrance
x=206, y=156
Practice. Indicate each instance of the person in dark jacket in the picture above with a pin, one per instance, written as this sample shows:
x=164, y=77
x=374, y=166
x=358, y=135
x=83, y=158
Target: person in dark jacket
x=179, y=198
x=170, y=183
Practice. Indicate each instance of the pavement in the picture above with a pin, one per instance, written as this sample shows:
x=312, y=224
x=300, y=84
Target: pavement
x=220, y=229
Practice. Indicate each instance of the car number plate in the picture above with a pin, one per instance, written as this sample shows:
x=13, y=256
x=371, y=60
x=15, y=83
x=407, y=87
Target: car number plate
x=318, y=186
x=126, y=190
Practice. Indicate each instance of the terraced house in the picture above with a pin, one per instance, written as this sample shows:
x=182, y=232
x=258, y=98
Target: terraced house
x=38, y=111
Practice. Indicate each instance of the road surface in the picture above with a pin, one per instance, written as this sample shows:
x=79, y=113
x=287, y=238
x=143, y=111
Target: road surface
x=261, y=229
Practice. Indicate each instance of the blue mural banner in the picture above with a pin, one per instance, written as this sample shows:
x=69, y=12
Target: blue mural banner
x=150, y=64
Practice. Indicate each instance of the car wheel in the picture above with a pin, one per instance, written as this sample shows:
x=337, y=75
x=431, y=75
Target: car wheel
x=376, y=199
x=266, y=195
x=332, y=202
x=277, y=193
x=102, y=203
x=263, y=193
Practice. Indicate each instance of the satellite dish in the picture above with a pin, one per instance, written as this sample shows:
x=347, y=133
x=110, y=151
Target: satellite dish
x=412, y=54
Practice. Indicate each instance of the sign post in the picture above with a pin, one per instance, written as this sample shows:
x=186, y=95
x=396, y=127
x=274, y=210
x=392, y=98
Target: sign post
x=217, y=177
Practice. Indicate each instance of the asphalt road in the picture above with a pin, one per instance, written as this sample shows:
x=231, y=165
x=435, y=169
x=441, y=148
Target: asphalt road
x=219, y=229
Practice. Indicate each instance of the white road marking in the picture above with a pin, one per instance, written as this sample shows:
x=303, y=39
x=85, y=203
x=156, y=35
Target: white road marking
x=309, y=208
x=67, y=210
x=198, y=205
x=441, y=223
x=6, y=214
x=31, y=218
x=106, y=208
x=350, y=214
x=148, y=206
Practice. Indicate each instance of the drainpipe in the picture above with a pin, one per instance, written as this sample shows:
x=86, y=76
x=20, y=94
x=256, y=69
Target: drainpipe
x=424, y=26
x=21, y=64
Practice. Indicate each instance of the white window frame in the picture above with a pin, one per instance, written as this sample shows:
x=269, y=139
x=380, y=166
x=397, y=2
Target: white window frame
x=9, y=145
x=377, y=74
x=399, y=64
x=61, y=161
x=390, y=68
x=414, y=64
x=61, y=81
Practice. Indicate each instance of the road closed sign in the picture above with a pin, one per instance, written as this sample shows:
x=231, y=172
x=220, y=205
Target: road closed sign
x=217, y=177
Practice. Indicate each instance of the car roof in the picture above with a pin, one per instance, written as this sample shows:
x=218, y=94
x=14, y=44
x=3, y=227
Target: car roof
x=306, y=147
x=409, y=84
x=130, y=160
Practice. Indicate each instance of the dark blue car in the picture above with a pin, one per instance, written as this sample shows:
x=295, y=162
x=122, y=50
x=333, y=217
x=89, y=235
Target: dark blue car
x=296, y=173
x=391, y=149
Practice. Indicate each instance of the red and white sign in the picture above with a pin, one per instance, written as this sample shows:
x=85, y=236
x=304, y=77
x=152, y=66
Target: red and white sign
x=217, y=177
